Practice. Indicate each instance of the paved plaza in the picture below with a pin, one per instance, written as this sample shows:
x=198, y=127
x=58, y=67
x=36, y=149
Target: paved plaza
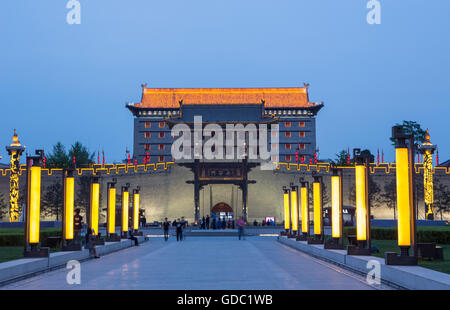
x=256, y=263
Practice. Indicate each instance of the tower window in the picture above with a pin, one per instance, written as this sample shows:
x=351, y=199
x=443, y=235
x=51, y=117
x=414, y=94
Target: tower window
x=301, y=124
x=148, y=124
x=148, y=134
x=302, y=134
x=147, y=147
x=161, y=124
x=287, y=134
x=161, y=134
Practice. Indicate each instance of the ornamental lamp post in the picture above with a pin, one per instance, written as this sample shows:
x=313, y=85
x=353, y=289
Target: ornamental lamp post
x=69, y=243
x=406, y=222
x=287, y=212
x=427, y=149
x=111, y=213
x=15, y=149
x=317, y=210
x=337, y=197
x=136, y=204
x=304, y=206
x=33, y=207
x=125, y=210
x=294, y=211
x=362, y=206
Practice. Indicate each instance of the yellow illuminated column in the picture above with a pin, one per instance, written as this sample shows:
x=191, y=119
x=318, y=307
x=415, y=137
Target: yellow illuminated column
x=361, y=202
x=111, y=210
x=287, y=219
x=317, y=193
x=336, y=207
x=404, y=196
x=34, y=204
x=136, y=211
x=125, y=209
x=305, y=209
x=94, y=204
x=69, y=189
x=294, y=210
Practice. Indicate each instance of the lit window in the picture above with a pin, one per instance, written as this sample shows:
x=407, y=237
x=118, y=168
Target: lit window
x=162, y=134
x=161, y=124
x=148, y=134
x=301, y=124
x=288, y=146
x=288, y=157
x=161, y=147
x=287, y=134
x=302, y=146
x=287, y=124
x=148, y=124
x=302, y=134
x=147, y=147
x=161, y=158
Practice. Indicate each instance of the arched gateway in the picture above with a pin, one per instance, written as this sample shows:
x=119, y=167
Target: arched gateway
x=222, y=211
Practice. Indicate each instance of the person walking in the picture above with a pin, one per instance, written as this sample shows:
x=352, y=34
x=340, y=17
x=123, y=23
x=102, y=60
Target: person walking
x=240, y=224
x=207, y=221
x=90, y=243
x=178, y=228
x=203, y=222
x=183, y=225
x=166, y=226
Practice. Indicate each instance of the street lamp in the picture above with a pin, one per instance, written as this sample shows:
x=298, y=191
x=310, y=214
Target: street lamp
x=111, y=212
x=294, y=210
x=33, y=207
x=69, y=243
x=318, y=210
x=94, y=202
x=336, y=211
x=125, y=209
x=304, y=204
x=362, y=206
x=406, y=222
x=136, y=202
x=15, y=149
x=287, y=211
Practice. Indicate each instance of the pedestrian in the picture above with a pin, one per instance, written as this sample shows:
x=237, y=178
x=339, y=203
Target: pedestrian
x=178, y=229
x=207, y=221
x=90, y=243
x=213, y=224
x=133, y=237
x=77, y=224
x=166, y=226
x=183, y=225
x=240, y=224
x=203, y=222
x=224, y=224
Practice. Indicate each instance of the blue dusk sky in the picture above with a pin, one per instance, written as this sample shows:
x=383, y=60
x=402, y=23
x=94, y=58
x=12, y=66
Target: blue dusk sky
x=62, y=82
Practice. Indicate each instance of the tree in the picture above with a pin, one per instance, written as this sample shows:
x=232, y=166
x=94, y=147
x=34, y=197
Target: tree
x=441, y=198
x=341, y=158
x=412, y=127
x=52, y=201
x=81, y=154
x=367, y=153
x=4, y=207
x=58, y=158
x=389, y=196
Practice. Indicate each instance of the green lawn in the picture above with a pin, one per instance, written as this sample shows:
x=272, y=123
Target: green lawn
x=438, y=265
x=15, y=231
x=10, y=252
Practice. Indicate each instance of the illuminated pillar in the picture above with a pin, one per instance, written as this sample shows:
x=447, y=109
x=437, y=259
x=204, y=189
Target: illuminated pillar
x=318, y=209
x=287, y=215
x=427, y=149
x=305, y=208
x=33, y=207
x=406, y=222
x=294, y=209
x=361, y=202
x=336, y=207
x=404, y=197
x=125, y=209
x=69, y=198
x=15, y=149
x=111, y=214
x=94, y=206
x=136, y=209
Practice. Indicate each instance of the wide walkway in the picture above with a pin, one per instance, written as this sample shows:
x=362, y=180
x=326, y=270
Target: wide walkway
x=257, y=263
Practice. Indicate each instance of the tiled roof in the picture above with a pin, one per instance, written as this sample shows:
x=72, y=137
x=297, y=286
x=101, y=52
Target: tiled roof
x=273, y=97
